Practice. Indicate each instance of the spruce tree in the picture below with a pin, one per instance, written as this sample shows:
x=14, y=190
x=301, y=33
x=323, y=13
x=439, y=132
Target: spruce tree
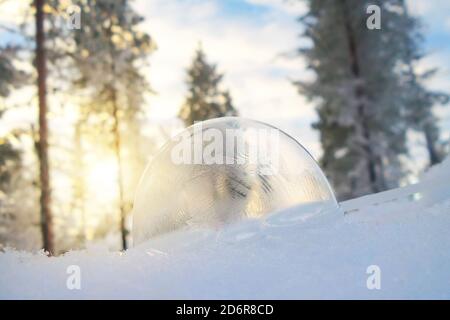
x=205, y=99
x=358, y=86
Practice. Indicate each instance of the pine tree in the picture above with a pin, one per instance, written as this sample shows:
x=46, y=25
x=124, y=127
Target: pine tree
x=109, y=54
x=358, y=85
x=42, y=143
x=205, y=99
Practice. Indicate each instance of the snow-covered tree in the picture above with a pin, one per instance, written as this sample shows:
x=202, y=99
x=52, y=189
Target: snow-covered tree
x=358, y=86
x=10, y=157
x=109, y=53
x=205, y=99
x=10, y=77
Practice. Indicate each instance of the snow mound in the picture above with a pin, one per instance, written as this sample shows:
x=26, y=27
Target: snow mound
x=439, y=172
x=300, y=252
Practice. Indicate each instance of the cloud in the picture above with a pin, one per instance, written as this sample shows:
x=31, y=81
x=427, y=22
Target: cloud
x=434, y=14
x=250, y=52
x=420, y=7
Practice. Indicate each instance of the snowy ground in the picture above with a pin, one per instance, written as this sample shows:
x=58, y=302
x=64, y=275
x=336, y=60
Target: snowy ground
x=289, y=255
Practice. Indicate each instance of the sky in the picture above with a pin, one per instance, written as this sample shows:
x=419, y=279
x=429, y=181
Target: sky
x=253, y=42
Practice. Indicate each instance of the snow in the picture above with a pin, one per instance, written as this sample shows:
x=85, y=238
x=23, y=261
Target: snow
x=289, y=254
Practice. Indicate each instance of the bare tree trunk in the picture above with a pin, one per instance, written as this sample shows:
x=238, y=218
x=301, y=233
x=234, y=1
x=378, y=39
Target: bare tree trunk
x=45, y=198
x=359, y=92
x=117, y=148
x=117, y=145
x=433, y=154
x=79, y=197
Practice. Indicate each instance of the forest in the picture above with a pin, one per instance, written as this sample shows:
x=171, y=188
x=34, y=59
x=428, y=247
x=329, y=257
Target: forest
x=76, y=126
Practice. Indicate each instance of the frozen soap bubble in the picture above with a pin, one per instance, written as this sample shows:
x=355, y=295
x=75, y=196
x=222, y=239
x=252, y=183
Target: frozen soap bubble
x=222, y=170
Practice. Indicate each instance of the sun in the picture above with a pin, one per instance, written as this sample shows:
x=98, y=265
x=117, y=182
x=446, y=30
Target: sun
x=102, y=179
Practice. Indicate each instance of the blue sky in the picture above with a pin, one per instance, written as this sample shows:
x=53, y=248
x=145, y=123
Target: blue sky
x=243, y=8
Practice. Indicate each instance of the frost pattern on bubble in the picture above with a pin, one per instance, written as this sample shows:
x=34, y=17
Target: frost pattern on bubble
x=223, y=170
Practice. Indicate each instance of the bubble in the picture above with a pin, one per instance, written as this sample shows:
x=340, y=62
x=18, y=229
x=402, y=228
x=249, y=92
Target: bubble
x=223, y=170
